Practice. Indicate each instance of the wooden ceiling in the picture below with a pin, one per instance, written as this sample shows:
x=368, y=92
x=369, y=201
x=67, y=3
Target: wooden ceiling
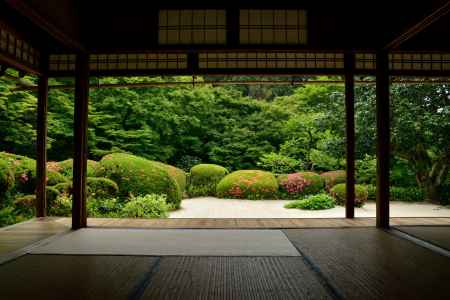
x=111, y=26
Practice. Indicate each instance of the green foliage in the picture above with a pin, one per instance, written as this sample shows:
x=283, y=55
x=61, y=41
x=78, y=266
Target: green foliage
x=6, y=178
x=9, y=216
x=203, y=179
x=315, y=202
x=106, y=208
x=279, y=163
x=339, y=192
x=25, y=205
x=371, y=192
x=333, y=177
x=64, y=188
x=54, y=178
x=51, y=194
x=148, y=206
x=176, y=173
x=320, y=160
x=366, y=170
x=101, y=188
x=62, y=206
x=24, y=170
x=137, y=176
x=248, y=184
x=66, y=168
x=408, y=194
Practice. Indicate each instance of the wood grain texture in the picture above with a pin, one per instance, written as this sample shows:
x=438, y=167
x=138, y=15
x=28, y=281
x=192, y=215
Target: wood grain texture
x=369, y=263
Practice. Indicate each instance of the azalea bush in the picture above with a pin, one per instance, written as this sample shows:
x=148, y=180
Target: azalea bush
x=339, y=192
x=148, y=206
x=297, y=185
x=248, y=184
x=314, y=202
x=333, y=177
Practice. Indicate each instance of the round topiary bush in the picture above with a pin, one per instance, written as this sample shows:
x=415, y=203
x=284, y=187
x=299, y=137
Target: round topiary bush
x=64, y=188
x=24, y=170
x=297, y=185
x=52, y=194
x=333, y=177
x=6, y=178
x=138, y=176
x=176, y=173
x=248, y=184
x=28, y=202
x=339, y=193
x=66, y=168
x=203, y=179
x=101, y=188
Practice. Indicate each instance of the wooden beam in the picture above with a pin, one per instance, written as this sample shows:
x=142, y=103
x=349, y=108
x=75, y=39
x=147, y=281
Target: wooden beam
x=349, y=62
x=27, y=11
x=79, y=218
x=14, y=63
x=383, y=138
x=419, y=26
x=41, y=144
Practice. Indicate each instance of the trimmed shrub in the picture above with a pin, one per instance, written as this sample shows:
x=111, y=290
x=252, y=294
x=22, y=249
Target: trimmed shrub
x=101, y=188
x=66, y=168
x=297, y=185
x=371, y=192
x=339, y=192
x=54, y=178
x=28, y=202
x=314, y=202
x=148, y=206
x=62, y=206
x=104, y=207
x=409, y=194
x=248, y=184
x=52, y=194
x=24, y=170
x=203, y=179
x=176, y=173
x=333, y=177
x=137, y=176
x=6, y=178
x=64, y=188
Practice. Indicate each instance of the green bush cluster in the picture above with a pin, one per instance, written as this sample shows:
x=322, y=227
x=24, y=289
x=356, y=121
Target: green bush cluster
x=333, y=177
x=101, y=188
x=248, y=184
x=408, y=194
x=24, y=170
x=66, y=168
x=176, y=173
x=136, y=176
x=313, y=202
x=6, y=179
x=339, y=192
x=148, y=206
x=203, y=179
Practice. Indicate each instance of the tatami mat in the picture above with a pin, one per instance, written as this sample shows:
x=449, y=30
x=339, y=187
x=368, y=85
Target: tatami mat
x=437, y=235
x=199, y=242
x=368, y=263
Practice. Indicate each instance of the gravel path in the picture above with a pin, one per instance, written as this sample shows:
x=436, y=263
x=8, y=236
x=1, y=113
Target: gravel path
x=210, y=207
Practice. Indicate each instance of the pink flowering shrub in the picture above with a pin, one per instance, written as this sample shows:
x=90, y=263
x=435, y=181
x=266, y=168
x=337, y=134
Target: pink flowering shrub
x=297, y=185
x=248, y=184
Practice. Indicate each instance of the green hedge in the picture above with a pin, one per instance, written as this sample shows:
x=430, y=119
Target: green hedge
x=313, y=202
x=297, y=185
x=101, y=188
x=54, y=178
x=66, y=168
x=408, y=194
x=138, y=176
x=333, y=177
x=176, y=173
x=339, y=193
x=203, y=179
x=24, y=170
x=248, y=184
x=6, y=178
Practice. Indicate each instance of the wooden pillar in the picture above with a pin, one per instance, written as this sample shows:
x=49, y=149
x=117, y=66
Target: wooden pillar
x=41, y=143
x=79, y=219
x=383, y=138
x=349, y=62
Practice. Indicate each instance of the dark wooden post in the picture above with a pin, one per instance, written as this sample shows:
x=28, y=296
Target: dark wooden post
x=383, y=138
x=80, y=141
x=41, y=142
x=349, y=64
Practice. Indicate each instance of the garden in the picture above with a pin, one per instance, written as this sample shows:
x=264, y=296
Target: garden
x=152, y=148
